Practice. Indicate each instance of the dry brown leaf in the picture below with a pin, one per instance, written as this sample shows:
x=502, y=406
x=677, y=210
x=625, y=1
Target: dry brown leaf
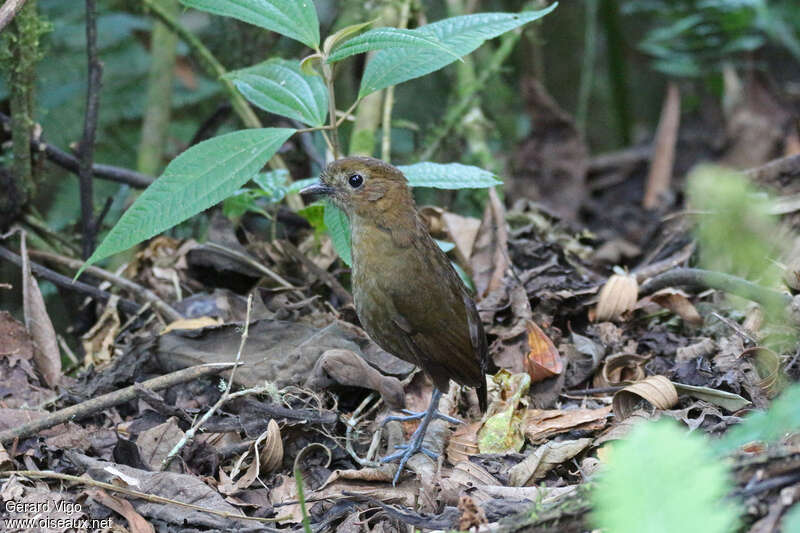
x=543, y=459
x=656, y=390
x=346, y=367
x=617, y=297
x=620, y=428
x=621, y=369
x=46, y=356
x=271, y=455
x=472, y=516
x=136, y=522
x=543, y=360
x=489, y=259
x=677, y=302
x=98, y=342
x=541, y=424
x=155, y=443
x=463, y=443
x=192, y=323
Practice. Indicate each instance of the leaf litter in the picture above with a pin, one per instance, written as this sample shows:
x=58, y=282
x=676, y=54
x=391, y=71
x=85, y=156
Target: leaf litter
x=579, y=359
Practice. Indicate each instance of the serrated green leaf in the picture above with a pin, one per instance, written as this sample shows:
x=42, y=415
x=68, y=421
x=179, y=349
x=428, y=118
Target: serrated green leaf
x=279, y=86
x=339, y=230
x=388, y=38
x=344, y=33
x=296, y=19
x=448, y=176
x=661, y=479
x=765, y=426
x=200, y=177
x=460, y=35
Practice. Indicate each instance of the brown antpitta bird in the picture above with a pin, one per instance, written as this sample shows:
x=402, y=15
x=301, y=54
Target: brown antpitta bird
x=407, y=295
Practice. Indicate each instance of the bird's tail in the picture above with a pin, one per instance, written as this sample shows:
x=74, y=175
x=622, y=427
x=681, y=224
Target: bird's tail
x=482, y=400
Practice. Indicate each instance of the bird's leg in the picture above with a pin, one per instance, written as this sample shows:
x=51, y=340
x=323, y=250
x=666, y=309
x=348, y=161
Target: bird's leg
x=406, y=451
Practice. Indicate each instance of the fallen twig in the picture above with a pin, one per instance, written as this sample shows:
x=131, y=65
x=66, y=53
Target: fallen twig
x=89, y=407
x=126, y=306
x=192, y=431
x=71, y=163
x=139, y=291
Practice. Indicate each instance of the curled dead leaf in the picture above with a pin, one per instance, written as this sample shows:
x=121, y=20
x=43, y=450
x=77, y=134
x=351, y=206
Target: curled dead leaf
x=617, y=297
x=271, y=455
x=768, y=366
x=621, y=369
x=656, y=390
x=543, y=360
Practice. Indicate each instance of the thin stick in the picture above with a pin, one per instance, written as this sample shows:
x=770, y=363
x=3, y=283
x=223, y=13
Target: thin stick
x=126, y=306
x=94, y=405
x=250, y=262
x=142, y=293
x=327, y=73
x=46, y=474
x=189, y=435
x=86, y=151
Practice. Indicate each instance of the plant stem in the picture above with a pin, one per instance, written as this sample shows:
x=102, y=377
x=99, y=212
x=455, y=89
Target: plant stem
x=86, y=152
x=388, y=101
x=215, y=70
x=617, y=69
x=155, y=125
x=455, y=113
x=207, y=61
x=327, y=73
x=22, y=38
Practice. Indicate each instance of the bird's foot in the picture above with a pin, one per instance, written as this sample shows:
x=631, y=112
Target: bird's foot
x=407, y=451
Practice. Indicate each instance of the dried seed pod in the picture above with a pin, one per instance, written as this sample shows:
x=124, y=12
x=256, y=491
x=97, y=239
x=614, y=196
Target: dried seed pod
x=271, y=456
x=618, y=296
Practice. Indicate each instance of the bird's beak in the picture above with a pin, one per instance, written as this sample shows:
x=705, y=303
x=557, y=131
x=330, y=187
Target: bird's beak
x=317, y=189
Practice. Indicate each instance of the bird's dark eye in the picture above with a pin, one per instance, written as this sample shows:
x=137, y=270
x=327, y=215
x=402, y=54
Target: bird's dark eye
x=355, y=180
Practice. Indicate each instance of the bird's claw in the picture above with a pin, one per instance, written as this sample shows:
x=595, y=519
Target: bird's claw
x=407, y=451
x=411, y=415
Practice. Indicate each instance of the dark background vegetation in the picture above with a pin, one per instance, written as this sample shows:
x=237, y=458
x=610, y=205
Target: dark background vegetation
x=624, y=67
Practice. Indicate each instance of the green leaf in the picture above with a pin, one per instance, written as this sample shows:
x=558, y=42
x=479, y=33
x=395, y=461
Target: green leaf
x=296, y=19
x=689, y=495
x=448, y=176
x=383, y=38
x=200, y=177
x=298, y=185
x=728, y=400
x=339, y=230
x=272, y=184
x=315, y=214
x=460, y=35
x=279, y=86
x=344, y=33
x=765, y=426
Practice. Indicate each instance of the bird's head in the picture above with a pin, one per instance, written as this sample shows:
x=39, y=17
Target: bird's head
x=363, y=186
